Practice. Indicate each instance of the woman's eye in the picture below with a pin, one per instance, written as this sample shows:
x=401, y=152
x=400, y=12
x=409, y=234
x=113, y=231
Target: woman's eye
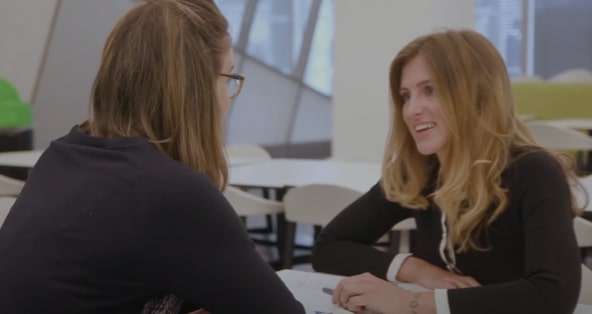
x=429, y=90
x=405, y=97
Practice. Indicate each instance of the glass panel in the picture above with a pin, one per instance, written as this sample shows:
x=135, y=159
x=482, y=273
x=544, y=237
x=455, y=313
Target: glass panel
x=501, y=22
x=258, y=115
x=314, y=118
x=562, y=37
x=319, y=70
x=234, y=11
x=277, y=31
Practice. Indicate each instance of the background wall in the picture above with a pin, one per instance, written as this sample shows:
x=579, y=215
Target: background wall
x=24, y=28
x=368, y=34
x=73, y=57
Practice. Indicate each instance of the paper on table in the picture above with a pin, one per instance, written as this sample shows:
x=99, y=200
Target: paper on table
x=308, y=289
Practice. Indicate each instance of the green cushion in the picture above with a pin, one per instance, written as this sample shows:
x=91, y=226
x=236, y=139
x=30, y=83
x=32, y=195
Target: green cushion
x=553, y=100
x=8, y=91
x=13, y=112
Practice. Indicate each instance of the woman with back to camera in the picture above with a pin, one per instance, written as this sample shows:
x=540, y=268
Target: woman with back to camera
x=493, y=210
x=127, y=207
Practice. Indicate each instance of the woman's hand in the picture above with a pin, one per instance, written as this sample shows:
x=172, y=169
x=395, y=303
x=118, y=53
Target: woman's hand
x=366, y=293
x=418, y=271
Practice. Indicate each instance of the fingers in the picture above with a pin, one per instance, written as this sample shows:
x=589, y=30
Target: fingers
x=455, y=281
x=356, y=303
x=470, y=282
x=348, y=288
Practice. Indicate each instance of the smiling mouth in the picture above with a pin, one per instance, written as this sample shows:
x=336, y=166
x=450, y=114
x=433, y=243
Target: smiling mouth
x=425, y=126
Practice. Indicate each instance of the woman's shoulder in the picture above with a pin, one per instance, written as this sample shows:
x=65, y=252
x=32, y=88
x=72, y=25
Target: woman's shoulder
x=535, y=161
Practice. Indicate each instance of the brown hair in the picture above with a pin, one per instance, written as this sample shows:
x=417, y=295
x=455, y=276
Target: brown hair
x=157, y=79
x=474, y=89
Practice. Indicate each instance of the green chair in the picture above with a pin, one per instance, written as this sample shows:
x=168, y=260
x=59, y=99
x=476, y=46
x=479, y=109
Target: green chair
x=549, y=101
x=14, y=113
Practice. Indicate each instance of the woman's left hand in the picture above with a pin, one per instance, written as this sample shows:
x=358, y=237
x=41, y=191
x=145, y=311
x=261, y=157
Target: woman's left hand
x=366, y=292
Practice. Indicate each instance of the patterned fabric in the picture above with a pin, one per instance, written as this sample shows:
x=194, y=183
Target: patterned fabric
x=168, y=304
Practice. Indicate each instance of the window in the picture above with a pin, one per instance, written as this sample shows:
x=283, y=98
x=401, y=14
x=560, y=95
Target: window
x=234, y=11
x=319, y=71
x=288, y=49
x=277, y=32
x=502, y=23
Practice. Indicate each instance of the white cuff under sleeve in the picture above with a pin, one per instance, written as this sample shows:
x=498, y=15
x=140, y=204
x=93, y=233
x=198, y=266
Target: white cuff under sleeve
x=441, y=300
x=393, y=270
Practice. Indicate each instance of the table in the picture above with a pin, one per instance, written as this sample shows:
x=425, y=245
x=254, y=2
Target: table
x=284, y=173
x=22, y=159
x=308, y=287
x=28, y=159
x=573, y=123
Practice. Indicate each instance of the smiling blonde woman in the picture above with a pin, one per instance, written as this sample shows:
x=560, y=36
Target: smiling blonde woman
x=493, y=210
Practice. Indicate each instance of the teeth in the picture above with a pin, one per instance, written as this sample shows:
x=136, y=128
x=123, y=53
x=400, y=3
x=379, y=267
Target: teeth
x=424, y=126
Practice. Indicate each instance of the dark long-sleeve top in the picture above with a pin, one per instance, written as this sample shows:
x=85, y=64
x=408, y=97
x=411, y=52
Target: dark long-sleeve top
x=104, y=225
x=532, y=264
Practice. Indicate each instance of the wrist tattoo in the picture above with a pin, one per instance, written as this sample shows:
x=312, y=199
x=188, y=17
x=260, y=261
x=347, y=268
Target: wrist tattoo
x=414, y=303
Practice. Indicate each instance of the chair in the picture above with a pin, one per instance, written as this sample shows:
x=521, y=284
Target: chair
x=9, y=186
x=5, y=205
x=573, y=76
x=559, y=138
x=246, y=204
x=314, y=204
x=586, y=290
x=247, y=151
x=583, y=231
x=318, y=204
x=252, y=153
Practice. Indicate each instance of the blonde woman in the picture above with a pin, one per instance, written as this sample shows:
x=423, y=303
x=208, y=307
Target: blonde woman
x=127, y=207
x=493, y=210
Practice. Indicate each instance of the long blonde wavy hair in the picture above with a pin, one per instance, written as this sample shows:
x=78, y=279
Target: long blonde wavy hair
x=157, y=79
x=474, y=90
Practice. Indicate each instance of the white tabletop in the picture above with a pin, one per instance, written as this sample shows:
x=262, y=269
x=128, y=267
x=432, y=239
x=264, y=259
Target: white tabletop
x=280, y=173
x=583, y=309
x=307, y=288
x=25, y=159
x=28, y=159
x=576, y=123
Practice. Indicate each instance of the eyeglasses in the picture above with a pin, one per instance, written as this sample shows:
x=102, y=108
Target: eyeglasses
x=235, y=84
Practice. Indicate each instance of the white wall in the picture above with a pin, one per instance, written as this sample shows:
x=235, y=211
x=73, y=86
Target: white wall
x=73, y=57
x=24, y=28
x=368, y=34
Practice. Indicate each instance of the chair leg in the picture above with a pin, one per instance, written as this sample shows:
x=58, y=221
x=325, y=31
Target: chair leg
x=317, y=231
x=288, y=246
x=280, y=236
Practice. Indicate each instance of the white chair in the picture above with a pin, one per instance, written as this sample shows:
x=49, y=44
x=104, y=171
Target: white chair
x=251, y=153
x=318, y=204
x=558, y=138
x=246, y=204
x=586, y=290
x=584, y=193
x=583, y=230
x=10, y=187
x=5, y=205
x=573, y=76
x=247, y=151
